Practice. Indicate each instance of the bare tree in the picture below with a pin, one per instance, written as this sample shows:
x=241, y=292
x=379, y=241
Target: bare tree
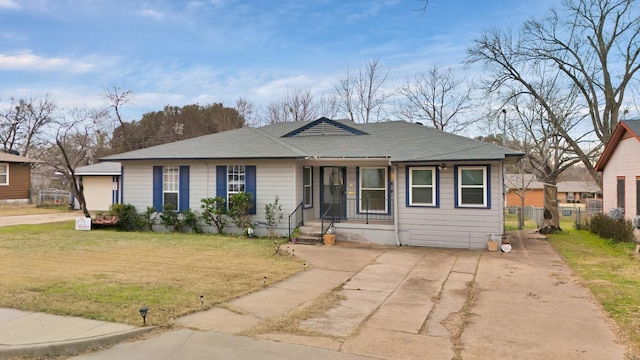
x=74, y=147
x=437, y=98
x=23, y=123
x=295, y=105
x=593, y=47
x=361, y=97
x=328, y=105
x=246, y=110
x=118, y=97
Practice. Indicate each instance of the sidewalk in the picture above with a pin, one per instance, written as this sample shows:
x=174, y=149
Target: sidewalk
x=398, y=303
x=38, y=334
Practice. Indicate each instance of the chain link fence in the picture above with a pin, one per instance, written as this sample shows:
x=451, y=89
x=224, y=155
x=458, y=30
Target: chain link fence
x=569, y=215
x=54, y=198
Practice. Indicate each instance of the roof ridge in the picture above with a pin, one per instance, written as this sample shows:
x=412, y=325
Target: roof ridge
x=280, y=142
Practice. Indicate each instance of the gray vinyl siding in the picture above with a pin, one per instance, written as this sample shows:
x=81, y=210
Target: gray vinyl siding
x=448, y=226
x=273, y=178
x=137, y=184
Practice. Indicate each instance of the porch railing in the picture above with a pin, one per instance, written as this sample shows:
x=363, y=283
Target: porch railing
x=327, y=219
x=296, y=218
x=360, y=209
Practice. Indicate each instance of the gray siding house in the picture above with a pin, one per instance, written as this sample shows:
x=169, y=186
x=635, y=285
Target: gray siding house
x=392, y=183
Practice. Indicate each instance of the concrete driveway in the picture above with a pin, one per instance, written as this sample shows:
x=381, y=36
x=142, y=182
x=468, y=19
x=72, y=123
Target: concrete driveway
x=39, y=218
x=406, y=303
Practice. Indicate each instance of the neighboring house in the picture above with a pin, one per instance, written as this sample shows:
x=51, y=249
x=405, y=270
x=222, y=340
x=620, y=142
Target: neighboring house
x=387, y=182
x=15, y=178
x=101, y=184
x=578, y=191
x=533, y=190
x=569, y=192
x=620, y=167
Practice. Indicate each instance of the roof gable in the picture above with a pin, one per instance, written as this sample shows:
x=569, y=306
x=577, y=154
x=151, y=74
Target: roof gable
x=324, y=126
x=6, y=157
x=624, y=129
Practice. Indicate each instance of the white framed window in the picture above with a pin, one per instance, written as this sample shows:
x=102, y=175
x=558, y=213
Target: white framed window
x=307, y=184
x=4, y=174
x=373, y=190
x=236, y=181
x=422, y=186
x=170, y=186
x=472, y=186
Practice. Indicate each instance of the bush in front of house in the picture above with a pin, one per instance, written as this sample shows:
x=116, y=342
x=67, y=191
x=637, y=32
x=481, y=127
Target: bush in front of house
x=127, y=217
x=214, y=212
x=607, y=227
x=170, y=219
x=191, y=219
x=239, y=212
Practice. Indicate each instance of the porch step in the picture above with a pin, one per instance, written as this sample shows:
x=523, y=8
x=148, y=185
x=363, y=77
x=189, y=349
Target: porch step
x=310, y=235
x=309, y=240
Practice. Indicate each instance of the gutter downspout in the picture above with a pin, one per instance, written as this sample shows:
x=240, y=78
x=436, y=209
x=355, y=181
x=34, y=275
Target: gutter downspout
x=395, y=202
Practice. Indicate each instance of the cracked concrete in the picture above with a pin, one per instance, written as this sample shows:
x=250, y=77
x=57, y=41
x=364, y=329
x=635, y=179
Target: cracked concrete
x=411, y=303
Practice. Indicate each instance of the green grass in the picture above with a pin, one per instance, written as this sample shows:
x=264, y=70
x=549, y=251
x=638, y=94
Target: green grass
x=611, y=271
x=109, y=275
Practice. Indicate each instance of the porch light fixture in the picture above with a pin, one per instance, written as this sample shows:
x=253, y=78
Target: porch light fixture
x=442, y=166
x=143, y=313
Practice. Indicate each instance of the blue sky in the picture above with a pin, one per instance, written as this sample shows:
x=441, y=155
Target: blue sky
x=185, y=52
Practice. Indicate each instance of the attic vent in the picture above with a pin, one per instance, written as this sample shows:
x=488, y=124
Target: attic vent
x=324, y=128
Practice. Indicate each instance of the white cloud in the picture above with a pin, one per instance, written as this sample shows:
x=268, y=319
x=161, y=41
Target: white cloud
x=150, y=13
x=8, y=4
x=30, y=62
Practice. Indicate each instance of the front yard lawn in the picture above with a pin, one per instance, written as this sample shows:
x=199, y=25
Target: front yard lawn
x=611, y=271
x=109, y=275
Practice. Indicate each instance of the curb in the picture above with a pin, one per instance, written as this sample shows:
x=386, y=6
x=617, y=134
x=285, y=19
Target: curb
x=71, y=347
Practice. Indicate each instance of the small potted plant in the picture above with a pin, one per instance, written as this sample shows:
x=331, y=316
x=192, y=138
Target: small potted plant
x=294, y=235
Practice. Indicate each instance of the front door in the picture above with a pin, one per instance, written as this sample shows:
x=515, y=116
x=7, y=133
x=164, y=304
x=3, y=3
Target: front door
x=334, y=191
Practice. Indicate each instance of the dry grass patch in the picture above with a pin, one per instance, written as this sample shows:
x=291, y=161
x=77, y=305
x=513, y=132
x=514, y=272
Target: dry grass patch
x=29, y=209
x=109, y=275
x=290, y=323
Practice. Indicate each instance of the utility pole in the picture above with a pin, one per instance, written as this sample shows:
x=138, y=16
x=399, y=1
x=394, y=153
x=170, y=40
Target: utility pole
x=504, y=129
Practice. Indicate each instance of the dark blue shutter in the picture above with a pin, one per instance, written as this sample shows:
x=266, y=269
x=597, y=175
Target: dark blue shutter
x=488, y=180
x=122, y=184
x=388, y=194
x=157, y=188
x=183, y=194
x=358, y=205
x=250, y=186
x=221, y=183
x=407, y=185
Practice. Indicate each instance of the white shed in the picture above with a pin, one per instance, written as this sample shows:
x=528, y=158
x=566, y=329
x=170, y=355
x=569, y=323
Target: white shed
x=102, y=185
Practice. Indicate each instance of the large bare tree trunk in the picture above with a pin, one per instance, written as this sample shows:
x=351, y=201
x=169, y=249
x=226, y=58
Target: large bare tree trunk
x=551, y=215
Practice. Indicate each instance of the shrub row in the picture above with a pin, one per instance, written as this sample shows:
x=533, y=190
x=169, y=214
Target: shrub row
x=213, y=212
x=607, y=227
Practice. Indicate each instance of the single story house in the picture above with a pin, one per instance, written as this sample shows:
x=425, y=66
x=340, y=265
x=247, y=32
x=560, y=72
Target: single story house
x=101, y=184
x=533, y=190
x=578, y=191
x=620, y=168
x=15, y=178
x=569, y=192
x=392, y=182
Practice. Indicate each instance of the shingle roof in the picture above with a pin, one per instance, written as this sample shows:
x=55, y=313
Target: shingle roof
x=397, y=140
x=515, y=181
x=624, y=127
x=6, y=157
x=578, y=186
x=102, y=168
